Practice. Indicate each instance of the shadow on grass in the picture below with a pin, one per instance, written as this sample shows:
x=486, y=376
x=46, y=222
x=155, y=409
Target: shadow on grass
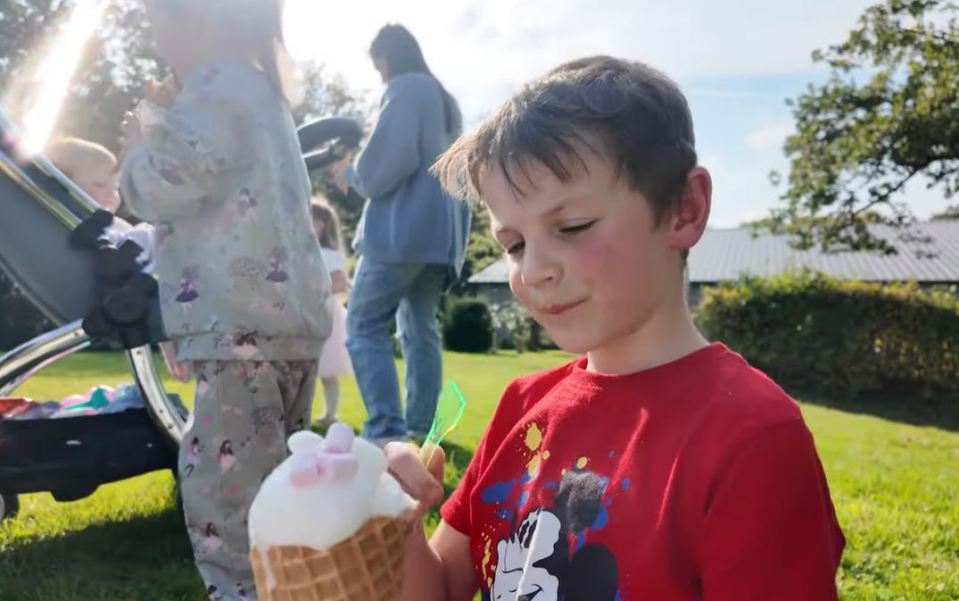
x=912, y=407
x=140, y=558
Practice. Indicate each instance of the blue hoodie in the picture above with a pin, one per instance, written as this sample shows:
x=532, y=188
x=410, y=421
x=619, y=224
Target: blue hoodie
x=408, y=218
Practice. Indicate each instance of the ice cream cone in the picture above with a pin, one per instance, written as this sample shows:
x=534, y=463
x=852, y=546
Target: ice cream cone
x=368, y=566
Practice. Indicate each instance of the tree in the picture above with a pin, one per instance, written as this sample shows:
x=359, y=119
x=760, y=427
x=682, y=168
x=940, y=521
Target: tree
x=22, y=24
x=888, y=115
x=329, y=95
x=950, y=214
x=482, y=249
x=108, y=83
x=115, y=63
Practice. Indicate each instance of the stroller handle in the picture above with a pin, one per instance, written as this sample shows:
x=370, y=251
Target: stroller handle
x=324, y=141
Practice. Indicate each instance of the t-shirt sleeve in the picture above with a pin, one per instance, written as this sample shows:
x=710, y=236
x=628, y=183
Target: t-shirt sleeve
x=457, y=511
x=771, y=530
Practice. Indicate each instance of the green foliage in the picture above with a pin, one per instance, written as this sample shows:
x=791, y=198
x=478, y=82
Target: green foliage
x=892, y=483
x=809, y=330
x=469, y=327
x=19, y=319
x=115, y=64
x=482, y=249
x=950, y=214
x=513, y=323
x=888, y=114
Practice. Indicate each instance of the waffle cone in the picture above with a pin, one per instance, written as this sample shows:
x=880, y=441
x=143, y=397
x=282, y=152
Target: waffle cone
x=368, y=566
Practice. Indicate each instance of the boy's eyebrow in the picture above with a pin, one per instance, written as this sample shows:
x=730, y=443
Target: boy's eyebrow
x=562, y=204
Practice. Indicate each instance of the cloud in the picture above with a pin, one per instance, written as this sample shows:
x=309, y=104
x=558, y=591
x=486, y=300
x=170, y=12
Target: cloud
x=769, y=138
x=484, y=49
x=740, y=192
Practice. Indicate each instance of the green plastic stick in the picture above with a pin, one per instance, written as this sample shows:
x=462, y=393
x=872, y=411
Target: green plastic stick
x=449, y=411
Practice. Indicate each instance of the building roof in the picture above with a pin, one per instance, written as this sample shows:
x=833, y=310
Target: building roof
x=928, y=253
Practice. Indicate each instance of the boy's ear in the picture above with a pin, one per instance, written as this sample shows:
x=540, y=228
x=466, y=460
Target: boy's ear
x=689, y=217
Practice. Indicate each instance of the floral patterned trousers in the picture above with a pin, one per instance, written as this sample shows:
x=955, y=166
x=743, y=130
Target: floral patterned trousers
x=243, y=413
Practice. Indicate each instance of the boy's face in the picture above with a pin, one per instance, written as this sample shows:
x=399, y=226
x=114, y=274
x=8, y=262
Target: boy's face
x=100, y=181
x=586, y=257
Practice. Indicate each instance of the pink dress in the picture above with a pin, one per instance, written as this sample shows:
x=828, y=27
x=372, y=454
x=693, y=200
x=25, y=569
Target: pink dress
x=334, y=359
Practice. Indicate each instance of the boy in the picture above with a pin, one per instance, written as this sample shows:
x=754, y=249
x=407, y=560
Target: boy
x=657, y=467
x=93, y=168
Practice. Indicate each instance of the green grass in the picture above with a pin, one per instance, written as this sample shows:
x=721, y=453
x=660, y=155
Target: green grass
x=894, y=485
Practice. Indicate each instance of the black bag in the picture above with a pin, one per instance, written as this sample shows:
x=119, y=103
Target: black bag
x=71, y=456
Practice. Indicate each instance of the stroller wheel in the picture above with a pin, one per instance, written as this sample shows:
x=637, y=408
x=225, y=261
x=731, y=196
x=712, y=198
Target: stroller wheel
x=9, y=506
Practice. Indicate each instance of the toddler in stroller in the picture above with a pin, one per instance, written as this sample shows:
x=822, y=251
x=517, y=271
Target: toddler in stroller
x=43, y=210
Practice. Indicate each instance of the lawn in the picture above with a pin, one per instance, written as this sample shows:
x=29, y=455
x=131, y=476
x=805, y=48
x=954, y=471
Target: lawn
x=895, y=485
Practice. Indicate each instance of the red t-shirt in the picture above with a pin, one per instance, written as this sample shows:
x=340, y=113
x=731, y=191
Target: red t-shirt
x=696, y=480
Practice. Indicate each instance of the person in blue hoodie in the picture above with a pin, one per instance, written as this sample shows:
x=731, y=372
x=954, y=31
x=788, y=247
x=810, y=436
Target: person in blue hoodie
x=411, y=240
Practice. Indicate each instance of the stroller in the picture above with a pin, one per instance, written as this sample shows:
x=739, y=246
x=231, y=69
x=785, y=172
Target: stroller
x=51, y=249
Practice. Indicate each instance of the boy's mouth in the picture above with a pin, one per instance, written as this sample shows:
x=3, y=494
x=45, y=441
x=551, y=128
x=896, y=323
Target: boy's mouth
x=560, y=309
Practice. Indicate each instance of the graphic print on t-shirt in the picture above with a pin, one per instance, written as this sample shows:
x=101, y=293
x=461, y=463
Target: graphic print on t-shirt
x=546, y=557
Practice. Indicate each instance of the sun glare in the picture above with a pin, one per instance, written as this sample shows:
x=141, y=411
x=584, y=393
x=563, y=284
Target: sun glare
x=57, y=70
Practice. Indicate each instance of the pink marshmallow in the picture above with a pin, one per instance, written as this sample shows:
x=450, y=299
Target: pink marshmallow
x=339, y=439
x=341, y=467
x=304, y=470
x=332, y=461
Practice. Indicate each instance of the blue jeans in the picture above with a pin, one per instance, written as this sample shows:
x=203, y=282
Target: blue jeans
x=409, y=293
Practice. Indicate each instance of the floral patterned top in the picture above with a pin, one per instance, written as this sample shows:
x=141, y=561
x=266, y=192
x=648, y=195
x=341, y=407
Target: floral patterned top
x=221, y=176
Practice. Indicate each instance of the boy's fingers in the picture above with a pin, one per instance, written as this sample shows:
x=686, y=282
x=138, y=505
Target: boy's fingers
x=412, y=475
x=437, y=462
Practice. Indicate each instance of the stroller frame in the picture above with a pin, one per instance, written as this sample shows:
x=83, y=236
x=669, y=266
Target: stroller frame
x=36, y=182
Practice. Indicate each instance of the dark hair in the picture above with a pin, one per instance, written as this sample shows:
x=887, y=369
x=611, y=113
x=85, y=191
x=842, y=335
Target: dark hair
x=397, y=46
x=331, y=236
x=627, y=112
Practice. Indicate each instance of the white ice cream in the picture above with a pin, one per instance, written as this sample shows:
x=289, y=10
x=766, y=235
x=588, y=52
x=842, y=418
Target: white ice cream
x=324, y=492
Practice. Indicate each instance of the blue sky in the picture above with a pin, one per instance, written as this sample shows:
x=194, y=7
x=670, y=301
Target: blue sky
x=741, y=123
x=736, y=61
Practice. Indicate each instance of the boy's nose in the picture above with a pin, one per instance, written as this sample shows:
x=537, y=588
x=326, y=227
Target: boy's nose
x=539, y=268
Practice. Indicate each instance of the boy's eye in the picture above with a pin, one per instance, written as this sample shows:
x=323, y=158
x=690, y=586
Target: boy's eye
x=512, y=249
x=579, y=227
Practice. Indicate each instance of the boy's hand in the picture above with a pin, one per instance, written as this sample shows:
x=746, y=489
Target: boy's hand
x=423, y=483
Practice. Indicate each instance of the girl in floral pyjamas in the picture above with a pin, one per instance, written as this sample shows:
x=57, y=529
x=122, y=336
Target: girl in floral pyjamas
x=242, y=280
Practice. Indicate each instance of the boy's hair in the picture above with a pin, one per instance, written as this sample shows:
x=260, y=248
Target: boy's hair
x=71, y=155
x=332, y=236
x=627, y=112
x=259, y=23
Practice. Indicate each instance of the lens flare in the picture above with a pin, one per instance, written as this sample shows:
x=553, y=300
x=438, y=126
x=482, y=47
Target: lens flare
x=57, y=70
